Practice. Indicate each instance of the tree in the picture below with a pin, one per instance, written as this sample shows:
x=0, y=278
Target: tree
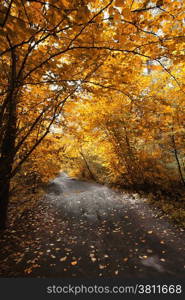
x=64, y=48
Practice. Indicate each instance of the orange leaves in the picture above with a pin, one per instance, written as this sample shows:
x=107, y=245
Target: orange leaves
x=119, y=3
x=66, y=3
x=74, y=263
x=126, y=13
x=82, y=14
x=29, y=270
x=36, y=5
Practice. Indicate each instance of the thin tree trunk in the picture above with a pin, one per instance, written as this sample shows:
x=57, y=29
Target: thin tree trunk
x=138, y=173
x=88, y=167
x=177, y=160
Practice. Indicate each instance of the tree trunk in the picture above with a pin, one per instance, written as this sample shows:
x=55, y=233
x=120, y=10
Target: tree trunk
x=8, y=144
x=177, y=160
x=88, y=167
x=137, y=171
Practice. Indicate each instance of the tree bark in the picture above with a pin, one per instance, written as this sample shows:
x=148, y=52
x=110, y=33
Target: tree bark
x=88, y=167
x=8, y=144
x=177, y=160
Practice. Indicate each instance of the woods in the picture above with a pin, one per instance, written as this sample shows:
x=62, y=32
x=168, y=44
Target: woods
x=95, y=88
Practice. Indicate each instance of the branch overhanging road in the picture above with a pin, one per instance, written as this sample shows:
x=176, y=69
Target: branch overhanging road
x=86, y=230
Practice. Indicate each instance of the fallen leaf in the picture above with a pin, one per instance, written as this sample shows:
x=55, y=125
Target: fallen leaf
x=162, y=259
x=63, y=258
x=102, y=266
x=125, y=259
x=28, y=270
x=93, y=259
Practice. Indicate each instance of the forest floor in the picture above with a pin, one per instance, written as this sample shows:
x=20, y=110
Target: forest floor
x=86, y=230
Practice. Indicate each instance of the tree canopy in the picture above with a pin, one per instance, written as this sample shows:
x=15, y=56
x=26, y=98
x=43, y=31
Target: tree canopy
x=92, y=83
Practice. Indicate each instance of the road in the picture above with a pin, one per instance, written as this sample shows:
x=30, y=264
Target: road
x=87, y=230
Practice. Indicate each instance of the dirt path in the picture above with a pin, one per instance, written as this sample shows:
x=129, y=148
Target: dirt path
x=86, y=230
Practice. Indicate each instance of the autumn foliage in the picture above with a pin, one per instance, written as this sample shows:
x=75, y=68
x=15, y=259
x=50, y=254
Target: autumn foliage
x=93, y=87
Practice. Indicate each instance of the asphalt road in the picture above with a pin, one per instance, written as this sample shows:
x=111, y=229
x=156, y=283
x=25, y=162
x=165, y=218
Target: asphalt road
x=86, y=230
